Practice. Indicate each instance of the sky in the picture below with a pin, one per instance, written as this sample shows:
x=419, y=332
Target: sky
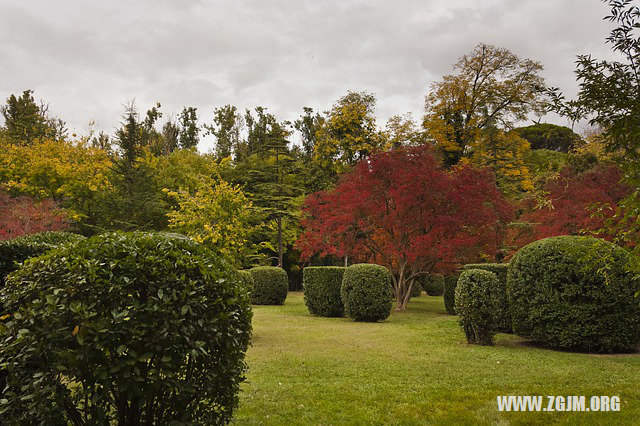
x=88, y=59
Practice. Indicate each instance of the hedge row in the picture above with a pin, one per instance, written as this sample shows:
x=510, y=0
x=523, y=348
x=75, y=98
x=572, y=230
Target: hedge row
x=450, y=283
x=322, y=286
x=367, y=292
x=433, y=284
x=270, y=285
x=502, y=316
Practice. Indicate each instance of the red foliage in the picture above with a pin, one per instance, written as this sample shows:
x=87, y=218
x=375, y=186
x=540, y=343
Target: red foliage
x=402, y=210
x=23, y=215
x=572, y=197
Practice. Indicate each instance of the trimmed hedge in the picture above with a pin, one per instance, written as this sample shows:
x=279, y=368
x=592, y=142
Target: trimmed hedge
x=501, y=311
x=247, y=279
x=575, y=293
x=15, y=251
x=270, y=285
x=450, y=283
x=157, y=320
x=366, y=292
x=474, y=305
x=433, y=284
x=322, y=286
x=416, y=290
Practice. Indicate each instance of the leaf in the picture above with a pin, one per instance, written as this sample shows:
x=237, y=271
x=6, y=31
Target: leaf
x=75, y=330
x=4, y=317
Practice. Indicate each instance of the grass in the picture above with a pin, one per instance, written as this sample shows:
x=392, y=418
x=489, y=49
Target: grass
x=415, y=368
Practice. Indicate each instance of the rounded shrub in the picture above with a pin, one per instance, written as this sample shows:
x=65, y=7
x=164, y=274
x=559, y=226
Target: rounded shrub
x=501, y=311
x=366, y=292
x=322, y=290
x=474, y=305
x=15, y=251
x=433, y=284
x=575, y=293
x=247, y=279
x=450, y=282
x=416, y=290
x=124, y=328
x=270, y=285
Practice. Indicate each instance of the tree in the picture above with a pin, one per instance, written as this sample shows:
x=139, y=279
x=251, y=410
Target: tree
x=308, y=125
x=609, y=96
x=349, y=132
x=492, y=87
x=401, y=209
x=505, y=154
x=401, y=130
x=25, y=121
x=25, y=215
x=226, y=127
x=217, y=214
x=549, y=136
x=189, y=130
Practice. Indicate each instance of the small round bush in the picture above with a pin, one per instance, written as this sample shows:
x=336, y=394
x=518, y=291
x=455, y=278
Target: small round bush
x=433, y=284
x=15, y=251
x=124, y=328
x=247, y=279
x=501, y=311
x=416, y=290
x=450, y=282
x=366, y=292
x=474, y=305
x=575, y=293
x=270, y=285
x=322, y=290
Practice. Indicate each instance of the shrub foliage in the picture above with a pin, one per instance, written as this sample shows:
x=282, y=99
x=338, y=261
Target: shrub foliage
x=125, y=328
x=270, y=285
x=501, y=312
x=17, y=250
x=433, y=284
x=474, y=305
x=450, y=282
x=366, y=292
x=575, y=293
x=247, y=279
x=322, y=290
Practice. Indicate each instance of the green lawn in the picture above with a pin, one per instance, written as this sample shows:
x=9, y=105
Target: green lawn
x=414, y=368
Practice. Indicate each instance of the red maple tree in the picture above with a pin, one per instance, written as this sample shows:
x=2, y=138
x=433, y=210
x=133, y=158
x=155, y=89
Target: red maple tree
x=577, y=203
x=23, y=215
x=401, y=209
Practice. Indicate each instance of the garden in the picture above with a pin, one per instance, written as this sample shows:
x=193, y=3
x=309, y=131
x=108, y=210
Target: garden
x=461, y=271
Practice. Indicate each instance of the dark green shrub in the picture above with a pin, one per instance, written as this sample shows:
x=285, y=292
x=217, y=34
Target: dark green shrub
x=450, y=282
x=433, y=284
x=15, y=251
x=575, y=293
x=501, y=313
x=416, y=290
x=366, y=292
x=270, y=285
x=474, y=305
x=124, y=328
x=322, y=286
x=247, y=279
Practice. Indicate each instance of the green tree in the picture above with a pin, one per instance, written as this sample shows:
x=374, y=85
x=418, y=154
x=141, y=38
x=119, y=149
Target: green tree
x=492, y=87
x=549, y=136
x=308, y=125
x=189, y=130
x=226, y=127
x=25, y=121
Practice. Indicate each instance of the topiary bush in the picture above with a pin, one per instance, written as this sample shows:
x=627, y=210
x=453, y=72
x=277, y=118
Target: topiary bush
x=450, y=282
x=322, y=286
x=416, y=290
x=366, y=292
x=270, y=285
x=501, y=313
x=474, y=305
x=124, y=328
x=15, y=251
x=575, y=293
x=433, y=284
x=247, y=279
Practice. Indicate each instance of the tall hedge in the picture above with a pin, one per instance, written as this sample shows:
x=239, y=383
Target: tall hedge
x=367, y=292
x=450, y=283
x=15, y=251
x=124, y=328
x=501, y=311
x=433, y=284
x=575, y=293
x=474, y=305
x=247, y=279
x=270, y=285
x=322, y=286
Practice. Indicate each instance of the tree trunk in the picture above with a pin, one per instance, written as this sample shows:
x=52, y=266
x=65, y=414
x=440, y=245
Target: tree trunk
x=280, y=242
x=346, y=260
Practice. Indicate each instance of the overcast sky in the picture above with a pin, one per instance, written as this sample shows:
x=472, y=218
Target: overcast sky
x=88, y=58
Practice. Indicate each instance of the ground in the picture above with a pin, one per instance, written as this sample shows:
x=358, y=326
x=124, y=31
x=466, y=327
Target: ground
x=414, y=368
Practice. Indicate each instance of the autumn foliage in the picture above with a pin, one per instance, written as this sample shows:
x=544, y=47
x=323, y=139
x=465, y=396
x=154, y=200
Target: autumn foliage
x=403, y=210
x=24, y=215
